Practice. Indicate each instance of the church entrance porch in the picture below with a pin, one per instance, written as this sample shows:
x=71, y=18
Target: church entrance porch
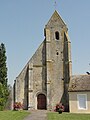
x=41, y=101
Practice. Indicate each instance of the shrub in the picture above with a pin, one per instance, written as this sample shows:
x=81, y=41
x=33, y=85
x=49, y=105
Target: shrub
x=1, y=108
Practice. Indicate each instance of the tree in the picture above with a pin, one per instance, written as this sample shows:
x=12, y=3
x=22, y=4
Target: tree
x=3, y=77
x=3, y=68
x=3, y=96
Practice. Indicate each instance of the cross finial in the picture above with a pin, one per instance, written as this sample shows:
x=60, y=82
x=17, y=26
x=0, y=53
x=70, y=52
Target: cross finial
x=55, y=4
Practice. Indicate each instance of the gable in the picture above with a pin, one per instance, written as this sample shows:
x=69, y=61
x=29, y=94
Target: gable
x=35, y=60
x=55, y=20
x=39, y=56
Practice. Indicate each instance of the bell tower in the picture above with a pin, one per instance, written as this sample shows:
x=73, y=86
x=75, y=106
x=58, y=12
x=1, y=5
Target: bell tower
x=58, y=60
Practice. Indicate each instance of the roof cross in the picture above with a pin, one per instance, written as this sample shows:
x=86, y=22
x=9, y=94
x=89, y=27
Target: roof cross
x=55, y=4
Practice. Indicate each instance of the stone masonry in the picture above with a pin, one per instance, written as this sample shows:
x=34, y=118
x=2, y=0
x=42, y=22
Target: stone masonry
x=44, y=80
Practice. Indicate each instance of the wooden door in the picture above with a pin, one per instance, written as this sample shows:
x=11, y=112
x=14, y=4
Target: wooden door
x=41, y=101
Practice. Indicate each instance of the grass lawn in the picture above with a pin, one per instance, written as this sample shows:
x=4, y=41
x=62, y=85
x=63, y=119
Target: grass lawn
x=13, y=115
x=67, y=116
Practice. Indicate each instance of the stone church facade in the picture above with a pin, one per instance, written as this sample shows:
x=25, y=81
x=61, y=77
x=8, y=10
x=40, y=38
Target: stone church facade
x=44, y=80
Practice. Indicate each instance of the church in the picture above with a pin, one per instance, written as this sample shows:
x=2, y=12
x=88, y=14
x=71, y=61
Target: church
x=44, y=80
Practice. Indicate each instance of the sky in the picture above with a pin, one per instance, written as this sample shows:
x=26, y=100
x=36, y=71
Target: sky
x=22, y=24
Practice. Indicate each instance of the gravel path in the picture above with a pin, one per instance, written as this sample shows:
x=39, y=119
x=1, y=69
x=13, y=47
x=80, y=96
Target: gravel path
x=37, y=115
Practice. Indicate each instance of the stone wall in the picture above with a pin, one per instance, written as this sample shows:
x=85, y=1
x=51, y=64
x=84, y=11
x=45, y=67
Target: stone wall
x=48, y=71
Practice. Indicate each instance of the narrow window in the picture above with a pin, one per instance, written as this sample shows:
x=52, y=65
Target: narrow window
x=82, y=101
x=57, y=53
x=57, y=35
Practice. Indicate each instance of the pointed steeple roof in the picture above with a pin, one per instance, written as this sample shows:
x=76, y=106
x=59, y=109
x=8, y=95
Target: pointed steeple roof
x=55, y=18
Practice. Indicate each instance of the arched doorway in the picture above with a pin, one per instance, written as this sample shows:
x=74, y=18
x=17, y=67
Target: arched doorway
x=41, y=101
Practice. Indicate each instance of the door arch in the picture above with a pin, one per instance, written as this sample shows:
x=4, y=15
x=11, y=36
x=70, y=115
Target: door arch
x=41, y=101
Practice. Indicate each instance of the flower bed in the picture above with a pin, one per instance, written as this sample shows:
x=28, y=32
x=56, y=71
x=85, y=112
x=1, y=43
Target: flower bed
x=18, y=106
x=59, y=108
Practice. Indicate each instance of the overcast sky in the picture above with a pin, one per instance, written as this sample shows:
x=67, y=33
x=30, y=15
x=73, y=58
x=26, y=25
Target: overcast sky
x=22, y=25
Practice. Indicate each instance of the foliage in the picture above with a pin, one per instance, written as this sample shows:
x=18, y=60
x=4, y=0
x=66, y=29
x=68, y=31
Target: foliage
x=13, y=115
x=3, y=77
x=3, y=96
x=18, y=106
x=67, y=116
x=3, y=68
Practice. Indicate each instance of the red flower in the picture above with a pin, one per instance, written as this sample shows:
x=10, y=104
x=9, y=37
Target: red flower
x=59, y=107
x=18, y=105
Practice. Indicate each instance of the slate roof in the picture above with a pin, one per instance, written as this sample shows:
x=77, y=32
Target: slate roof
x=79, y=83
